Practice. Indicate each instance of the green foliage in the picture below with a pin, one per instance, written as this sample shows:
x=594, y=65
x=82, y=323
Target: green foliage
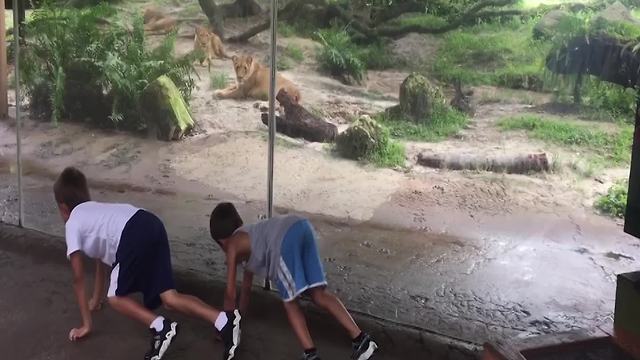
x=377, y=56
x=339, y=56
x=445, y=123
x=425, y=20
x=218, y=80
x=294, y=52
x=615, y=101
x=612, y=148
x=95, y=72
x=614, y=203
x=492, y=54
x=366, y=140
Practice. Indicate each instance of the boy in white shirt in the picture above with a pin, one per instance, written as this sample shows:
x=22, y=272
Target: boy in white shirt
x=134, y=243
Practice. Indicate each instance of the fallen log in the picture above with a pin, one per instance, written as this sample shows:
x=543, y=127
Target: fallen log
x=519, y=164
x=298, y=122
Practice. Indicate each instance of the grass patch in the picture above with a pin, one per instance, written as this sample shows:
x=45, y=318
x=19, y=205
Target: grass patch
x=391, y=154
x=614, y=202
x=294, y=52
x=493, y=54
x=284, y=63
x=426, y=20
x=218, y=80
x=610, y=148
x=367, y=140
x=445, y=123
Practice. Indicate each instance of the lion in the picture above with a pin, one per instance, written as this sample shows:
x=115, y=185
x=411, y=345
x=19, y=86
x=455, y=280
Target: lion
x=253, y=81
x=157, y=22
x=209, y=43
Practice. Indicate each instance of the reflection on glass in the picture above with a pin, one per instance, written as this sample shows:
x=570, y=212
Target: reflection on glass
x=455, y=156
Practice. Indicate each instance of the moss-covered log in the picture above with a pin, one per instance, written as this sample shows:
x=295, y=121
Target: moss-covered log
x=164, y=110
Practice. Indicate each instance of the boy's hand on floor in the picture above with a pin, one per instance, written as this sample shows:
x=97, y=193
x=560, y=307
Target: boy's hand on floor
x=79, y=333
x=95, y=304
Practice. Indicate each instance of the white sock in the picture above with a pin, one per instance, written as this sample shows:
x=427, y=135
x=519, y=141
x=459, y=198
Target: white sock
x=221, y=321
x=157, y=324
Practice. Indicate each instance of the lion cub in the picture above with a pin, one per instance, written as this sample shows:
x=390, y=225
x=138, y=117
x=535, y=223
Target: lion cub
x=210, y=44
x=253, y=81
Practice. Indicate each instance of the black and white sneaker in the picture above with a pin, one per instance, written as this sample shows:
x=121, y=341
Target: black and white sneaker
x=160, y=340
x=230, y=334
x=312, y=356
x=364, y=349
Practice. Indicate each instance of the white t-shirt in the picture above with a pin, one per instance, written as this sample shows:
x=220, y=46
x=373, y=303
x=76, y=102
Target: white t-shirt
x=95, y=229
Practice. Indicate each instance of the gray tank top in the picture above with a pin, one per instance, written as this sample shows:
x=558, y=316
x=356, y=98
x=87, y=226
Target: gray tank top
x=266, y=240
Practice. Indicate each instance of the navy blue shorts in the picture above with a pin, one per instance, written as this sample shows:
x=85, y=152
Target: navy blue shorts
x=143, y=260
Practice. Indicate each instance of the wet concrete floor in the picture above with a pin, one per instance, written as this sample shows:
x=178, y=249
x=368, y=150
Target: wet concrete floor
x=516, y=276
x=37, y=310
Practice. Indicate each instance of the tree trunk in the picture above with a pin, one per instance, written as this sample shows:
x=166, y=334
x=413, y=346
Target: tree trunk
x=215, y=16
x=241, y=8
x=314, y=130
x=300, y=123
x=519, y=164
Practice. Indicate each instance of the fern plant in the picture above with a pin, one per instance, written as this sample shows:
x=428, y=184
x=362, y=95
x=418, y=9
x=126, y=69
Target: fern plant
x=339, y=56
x=96, y=70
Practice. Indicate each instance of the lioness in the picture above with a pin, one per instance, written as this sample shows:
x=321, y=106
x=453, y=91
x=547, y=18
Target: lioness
x=253, y=81
x=209, y=43
x=156, y=22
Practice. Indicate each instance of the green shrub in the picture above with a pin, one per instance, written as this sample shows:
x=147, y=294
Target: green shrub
x=377, y=56
x=614, y=100
x=445, y=122
x=218, y=80
x=294, y=52
x=366, y=140
x=76, y=69
x=614, y=203
x=339, y=56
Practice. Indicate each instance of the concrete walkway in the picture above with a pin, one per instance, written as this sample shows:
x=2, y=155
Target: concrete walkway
x=37, y=310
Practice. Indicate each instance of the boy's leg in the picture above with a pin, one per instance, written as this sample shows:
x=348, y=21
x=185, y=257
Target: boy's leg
x=132, y=309
x=299, y=324
x=328, y=301
x=189, y=305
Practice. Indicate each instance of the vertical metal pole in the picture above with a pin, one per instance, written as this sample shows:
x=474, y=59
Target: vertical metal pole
x=272, y=113
x=16, y=48
x=272, y=102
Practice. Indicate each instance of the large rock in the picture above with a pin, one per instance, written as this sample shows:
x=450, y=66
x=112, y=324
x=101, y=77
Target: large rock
x=548, y=24
x=164, y=110
x=361, y=139
x=618, y=13
x=418, y=99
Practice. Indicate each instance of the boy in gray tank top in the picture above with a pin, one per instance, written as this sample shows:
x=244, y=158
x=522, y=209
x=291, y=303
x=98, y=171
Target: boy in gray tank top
x=282, y=249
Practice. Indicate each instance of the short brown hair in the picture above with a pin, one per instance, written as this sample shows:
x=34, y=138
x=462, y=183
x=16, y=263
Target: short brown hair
x=71, y=188
x=224, y=221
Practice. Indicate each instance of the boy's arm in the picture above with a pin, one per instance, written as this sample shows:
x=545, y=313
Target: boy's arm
x=98, y=287
x=245, y=292
x=230, y=293
x=78, y=286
